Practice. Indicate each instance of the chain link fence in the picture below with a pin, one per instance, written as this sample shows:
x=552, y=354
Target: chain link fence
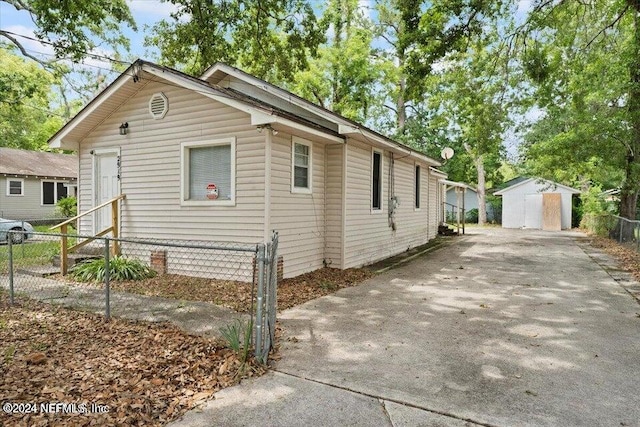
x=623, y=230
x=184, y=279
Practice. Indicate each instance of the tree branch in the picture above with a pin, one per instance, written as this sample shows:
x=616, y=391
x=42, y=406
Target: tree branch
x=24, y=52
x=611, y=25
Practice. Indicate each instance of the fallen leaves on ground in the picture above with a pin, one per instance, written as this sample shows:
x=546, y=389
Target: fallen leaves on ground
x=628, y=258
x=303, y=288
x=146, y=373
x=238, y=295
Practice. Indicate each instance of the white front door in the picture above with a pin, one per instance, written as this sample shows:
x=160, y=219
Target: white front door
x=107, y=185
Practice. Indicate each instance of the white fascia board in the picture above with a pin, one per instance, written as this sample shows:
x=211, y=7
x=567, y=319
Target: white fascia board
x=546, y=181
x=352, y=130
x=203, y=90
x=456, y=184
x=274, y=90
x=258, y=116
x=437, y=173
x=57, y=141
x=308, y=129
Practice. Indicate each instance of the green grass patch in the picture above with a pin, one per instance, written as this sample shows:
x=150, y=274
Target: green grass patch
x=29, y=254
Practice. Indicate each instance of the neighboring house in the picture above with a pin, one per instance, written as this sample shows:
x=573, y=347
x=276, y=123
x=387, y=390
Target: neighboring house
x=230, y=157
x=470, y=200
x=536, y=203
x=31, y=182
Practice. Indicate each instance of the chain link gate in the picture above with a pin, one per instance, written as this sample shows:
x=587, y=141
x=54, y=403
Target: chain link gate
x=266, y=301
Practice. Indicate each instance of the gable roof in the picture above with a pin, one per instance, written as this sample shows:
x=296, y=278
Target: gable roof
x=268, y=105
x=15, y=162
x=519, y=183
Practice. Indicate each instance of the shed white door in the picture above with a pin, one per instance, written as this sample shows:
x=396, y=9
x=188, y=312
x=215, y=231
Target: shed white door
x=107, y=186
x=533, y=211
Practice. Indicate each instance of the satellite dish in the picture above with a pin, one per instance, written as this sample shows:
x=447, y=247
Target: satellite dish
x=446, y=153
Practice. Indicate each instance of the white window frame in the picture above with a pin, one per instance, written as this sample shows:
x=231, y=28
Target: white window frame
x=55, y=191
x=301, y=190
x=417, y=187
x=184, y=171
x=21, y=180
x=381, y=208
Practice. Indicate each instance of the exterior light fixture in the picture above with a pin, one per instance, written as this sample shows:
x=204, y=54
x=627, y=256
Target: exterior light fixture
x=124, y=128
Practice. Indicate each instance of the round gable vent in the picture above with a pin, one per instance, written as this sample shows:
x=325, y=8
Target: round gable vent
x=158, y=105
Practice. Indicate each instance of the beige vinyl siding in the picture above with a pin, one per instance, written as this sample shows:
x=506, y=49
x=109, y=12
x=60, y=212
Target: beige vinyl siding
x=369, y=237
x=150, y=168
x=29, y=205
x=333, y=221
x=298, y=217
x=435, y=206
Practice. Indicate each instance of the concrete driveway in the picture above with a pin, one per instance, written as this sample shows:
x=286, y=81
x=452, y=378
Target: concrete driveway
x=500, y=328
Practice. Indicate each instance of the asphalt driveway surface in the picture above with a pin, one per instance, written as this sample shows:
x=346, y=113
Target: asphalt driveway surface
x=499, y=328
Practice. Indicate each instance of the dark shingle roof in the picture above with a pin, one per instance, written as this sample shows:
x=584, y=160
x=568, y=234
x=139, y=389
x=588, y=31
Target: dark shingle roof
x=37, y=163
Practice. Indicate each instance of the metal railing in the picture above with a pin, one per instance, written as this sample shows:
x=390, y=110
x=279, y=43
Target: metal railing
x=26, y=270
x=454, y=215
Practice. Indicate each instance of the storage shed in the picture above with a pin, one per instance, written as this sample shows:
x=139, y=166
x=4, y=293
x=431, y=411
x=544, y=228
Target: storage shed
x=537, y=203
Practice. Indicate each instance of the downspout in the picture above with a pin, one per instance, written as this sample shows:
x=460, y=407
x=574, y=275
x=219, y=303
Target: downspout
x=268, y=139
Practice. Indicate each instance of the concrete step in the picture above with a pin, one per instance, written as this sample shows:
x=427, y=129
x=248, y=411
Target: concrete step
x=39, y=270
x=74, y=259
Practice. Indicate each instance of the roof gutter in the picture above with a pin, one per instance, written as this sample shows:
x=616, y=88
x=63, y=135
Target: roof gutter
x=379, y=139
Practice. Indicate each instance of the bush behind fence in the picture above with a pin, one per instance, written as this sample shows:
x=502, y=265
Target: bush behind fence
x=622, y=230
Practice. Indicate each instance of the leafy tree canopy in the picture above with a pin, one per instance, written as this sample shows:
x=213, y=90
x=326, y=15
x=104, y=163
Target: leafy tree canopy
x=271, y=39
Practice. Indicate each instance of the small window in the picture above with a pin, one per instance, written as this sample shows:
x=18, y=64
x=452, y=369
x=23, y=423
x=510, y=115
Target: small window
x=52, y=191
x=417, y=188
x=376, y=185
x=15, y=187
x=208, y=172
x=301, y=166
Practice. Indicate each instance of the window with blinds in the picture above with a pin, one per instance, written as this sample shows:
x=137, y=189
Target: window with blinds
x=301, y=166
x=209, y=172
x=15, y=187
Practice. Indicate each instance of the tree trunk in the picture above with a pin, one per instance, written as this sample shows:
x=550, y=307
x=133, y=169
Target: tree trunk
x=401, y=101
x=482, y=200
x=631, y=185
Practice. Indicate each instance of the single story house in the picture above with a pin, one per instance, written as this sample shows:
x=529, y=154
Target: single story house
x=32, y=182
x=230, y=157
x=470, y=201
x=536, y=203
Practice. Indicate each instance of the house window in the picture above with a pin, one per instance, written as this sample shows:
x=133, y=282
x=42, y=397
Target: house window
x=301, y=166
x=52, y=191
x=376, y=184
x=15, y=187
x=208, y=176
x=417, y=188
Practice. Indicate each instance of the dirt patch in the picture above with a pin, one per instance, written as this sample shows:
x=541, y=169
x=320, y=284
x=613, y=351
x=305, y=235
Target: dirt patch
x=141, y=373
x=238, y=295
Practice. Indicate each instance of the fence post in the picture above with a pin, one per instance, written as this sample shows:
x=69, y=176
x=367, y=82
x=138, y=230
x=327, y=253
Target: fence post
x=10, y=250
x=106, y=279
x=620, y=236
x=259, y=300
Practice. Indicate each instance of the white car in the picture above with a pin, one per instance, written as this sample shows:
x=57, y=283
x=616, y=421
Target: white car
x=13, y=225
